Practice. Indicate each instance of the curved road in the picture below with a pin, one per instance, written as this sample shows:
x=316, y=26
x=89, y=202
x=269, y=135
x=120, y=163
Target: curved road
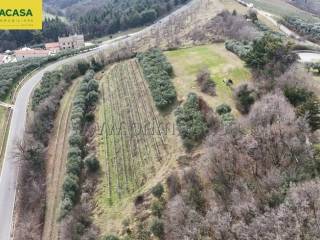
x=10, y=168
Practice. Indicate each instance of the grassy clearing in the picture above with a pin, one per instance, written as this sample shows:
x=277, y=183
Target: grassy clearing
x=222, y=64
x=133, y=148
x=57, y=156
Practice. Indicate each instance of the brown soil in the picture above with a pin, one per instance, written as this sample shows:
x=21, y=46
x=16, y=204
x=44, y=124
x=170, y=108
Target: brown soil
x=57, y=156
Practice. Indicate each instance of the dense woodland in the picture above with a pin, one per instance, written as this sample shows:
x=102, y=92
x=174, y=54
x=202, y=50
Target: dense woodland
x=52, y=29
x=93, y=19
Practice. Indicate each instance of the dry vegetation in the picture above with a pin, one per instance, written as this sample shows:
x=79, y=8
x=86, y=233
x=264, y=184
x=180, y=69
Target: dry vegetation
x=252, y=178
x=258, y=177
x=56, y=164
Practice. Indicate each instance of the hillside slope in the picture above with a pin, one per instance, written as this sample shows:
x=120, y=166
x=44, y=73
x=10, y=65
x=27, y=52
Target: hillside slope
x=312, y=6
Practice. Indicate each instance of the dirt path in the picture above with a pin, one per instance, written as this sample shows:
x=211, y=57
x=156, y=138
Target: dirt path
x=58, y=150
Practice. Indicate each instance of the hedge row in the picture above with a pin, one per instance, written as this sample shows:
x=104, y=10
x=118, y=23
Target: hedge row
x=191, y=122
x=158, y=72
x=86, y=98
x=241, y=49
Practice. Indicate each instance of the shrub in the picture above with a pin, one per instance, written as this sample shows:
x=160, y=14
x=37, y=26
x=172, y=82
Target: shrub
x=93, y=85
x=173, y=185
x=111, y=237
x=157, y=208
x=92, y=163
x=311, y=109
x=66, y=206
x=74, y=165
x=49, y=81
x=245, y=97
x=157, y=190
x=190, y=121
x=227, y=119
x=223, y=109
x=241, y=49
x=75, y=139
x=83, y=66
x=70, y=187
x=297, y=96
x=270, y=55
x=205, y=82
x=96, y=65
x=307, y=104
x=157, y=228
x=92, y=98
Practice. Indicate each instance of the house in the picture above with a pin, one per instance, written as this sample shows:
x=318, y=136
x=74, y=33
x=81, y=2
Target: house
x=71, y=42
x=26, y=53
x=5, y=58
x=2, y=58
x=53, y=47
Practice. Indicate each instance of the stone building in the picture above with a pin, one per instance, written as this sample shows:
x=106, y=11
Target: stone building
x=71, y=42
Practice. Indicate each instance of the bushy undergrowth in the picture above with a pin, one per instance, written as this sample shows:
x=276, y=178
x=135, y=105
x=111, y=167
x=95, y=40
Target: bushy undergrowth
x=191, y=122
x=239, y=48
x=206, y=83
x=158, y=72
x=310, y=30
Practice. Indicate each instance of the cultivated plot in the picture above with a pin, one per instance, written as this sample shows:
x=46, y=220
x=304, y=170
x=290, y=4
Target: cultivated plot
x=132, y=133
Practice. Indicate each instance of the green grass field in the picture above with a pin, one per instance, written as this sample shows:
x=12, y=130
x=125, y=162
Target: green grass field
x=222, y=64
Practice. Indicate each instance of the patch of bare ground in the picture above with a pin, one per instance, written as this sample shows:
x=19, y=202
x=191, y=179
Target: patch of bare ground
x=57, y=156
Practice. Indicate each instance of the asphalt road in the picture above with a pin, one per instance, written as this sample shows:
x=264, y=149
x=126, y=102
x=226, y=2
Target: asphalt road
x=10, y=168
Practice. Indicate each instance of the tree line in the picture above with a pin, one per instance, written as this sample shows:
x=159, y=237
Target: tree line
x=32, y=151
x=158, y=72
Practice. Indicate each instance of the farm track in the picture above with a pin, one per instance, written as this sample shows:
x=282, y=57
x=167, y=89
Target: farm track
x=58, y=150
x=131, y=147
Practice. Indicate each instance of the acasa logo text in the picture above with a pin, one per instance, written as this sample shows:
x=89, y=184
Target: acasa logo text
x=20, y=14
